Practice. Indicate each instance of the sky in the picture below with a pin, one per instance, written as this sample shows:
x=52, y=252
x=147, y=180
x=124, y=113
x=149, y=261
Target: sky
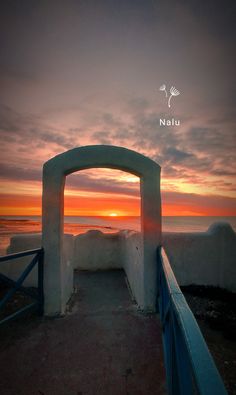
x=76, y=72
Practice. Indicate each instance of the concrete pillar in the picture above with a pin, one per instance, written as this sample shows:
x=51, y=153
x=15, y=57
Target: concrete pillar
x=151, y=234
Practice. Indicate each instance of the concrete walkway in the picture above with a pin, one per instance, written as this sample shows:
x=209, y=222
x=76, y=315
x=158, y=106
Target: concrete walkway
x=103, y=346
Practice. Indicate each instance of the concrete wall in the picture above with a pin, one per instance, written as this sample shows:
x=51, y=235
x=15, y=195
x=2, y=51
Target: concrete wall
x=95, y=250
x=202, y=258
x=207, y=258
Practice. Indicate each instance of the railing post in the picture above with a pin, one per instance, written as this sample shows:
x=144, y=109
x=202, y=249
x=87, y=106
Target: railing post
x=158, y=252
x=40, y=283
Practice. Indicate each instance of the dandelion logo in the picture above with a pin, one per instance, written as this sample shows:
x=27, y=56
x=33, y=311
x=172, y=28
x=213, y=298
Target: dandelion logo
x=163, y=88
x=173, y=92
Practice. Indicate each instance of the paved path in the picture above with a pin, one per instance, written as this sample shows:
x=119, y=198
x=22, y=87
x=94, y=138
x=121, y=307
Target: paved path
x=103, y=346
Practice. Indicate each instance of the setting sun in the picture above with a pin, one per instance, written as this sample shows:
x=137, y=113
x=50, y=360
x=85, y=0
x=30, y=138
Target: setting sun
x=113, y=215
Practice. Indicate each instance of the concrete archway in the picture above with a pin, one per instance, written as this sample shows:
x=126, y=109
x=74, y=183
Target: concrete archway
x=58, y=277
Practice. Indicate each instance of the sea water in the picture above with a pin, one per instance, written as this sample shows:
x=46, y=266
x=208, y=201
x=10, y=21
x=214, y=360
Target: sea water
x=10, y=226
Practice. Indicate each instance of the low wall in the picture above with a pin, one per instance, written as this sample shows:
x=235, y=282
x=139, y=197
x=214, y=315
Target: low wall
x=95, y=250
x=206, y=258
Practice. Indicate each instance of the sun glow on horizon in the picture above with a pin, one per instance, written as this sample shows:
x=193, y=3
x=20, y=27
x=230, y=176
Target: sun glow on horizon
x=91, y=199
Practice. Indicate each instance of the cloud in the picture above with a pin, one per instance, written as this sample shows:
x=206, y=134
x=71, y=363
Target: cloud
x=190, y=155
x=102, y=184
x=175, y=155
x=26, y=132
x=14, y=173
x=79, y=181
x=199, y=204
x=102, y=137
x=91, y=76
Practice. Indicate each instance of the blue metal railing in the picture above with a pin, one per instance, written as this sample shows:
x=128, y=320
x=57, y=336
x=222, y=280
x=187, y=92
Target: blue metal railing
x=17, y=285
x=190, y=368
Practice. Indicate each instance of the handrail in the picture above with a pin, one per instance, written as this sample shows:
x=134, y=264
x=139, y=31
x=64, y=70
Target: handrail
x=190, y=368
x=20, y=254
x=17, y=285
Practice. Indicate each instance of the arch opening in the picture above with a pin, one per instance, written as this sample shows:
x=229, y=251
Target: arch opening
x=102, y=196
x=102, y=211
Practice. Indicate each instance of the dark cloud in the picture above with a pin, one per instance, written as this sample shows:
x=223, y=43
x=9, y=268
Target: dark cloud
x=62, y=140
x=29, y=130
x=14, y=173
x=214, y=139
x=109, y=185
x=204, y=202
x=9, y=120
x=102, y=137
x=175, y=155
x=77, y=181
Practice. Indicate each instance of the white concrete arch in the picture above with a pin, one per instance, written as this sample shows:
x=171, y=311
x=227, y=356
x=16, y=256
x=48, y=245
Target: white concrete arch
x=58, y=273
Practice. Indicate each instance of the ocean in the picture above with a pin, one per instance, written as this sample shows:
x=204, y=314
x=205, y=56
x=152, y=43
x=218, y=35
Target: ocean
x=10, y=226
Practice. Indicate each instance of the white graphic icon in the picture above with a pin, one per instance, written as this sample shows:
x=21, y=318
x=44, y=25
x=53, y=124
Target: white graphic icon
x=173, y=92
x=163, y=88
